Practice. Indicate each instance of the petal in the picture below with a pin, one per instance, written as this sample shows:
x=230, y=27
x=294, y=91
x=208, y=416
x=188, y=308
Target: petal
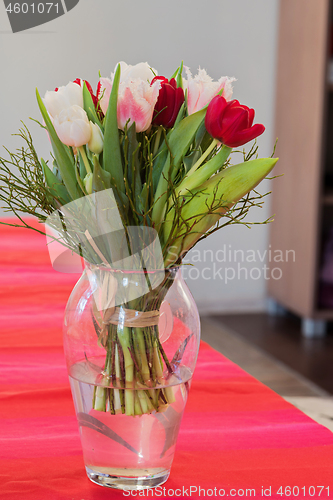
x=251, y=117
x=54, y=105
x=136, y=102
x=105, y=90
x=214, y=117
x=243, y=136
x=72, y=126
x=173, y=83
x=73, y=94
x=179, y=99
x=80, y=133
x=235, y=118
x=226, y=83
x=63, y=132
x=132, y=109
x=202, y=89
x=141, y=71
x=64, y=97
x=192, y=91
x=162, y=105
x=162, y=79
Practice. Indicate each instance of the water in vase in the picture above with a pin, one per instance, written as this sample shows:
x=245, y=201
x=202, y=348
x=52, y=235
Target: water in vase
x=120, y=449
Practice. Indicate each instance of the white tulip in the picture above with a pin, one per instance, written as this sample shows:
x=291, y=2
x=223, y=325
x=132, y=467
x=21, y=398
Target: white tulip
x=57, y=100
x=72, y=126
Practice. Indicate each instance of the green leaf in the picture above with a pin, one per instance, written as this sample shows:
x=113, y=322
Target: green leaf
x=179, y=116
x=202, y=138
x=132, y=152
x=182, y=136
x=55, y=170
x=159, y=163
x=112, y=154
x=62, y=154
x=179, y=76
x=83, y=170
x=191, y=159
x=56, y=188
x=180, y=140
x=203, y=173
x=101, y=178
x=221, y=191
x=134, y=175
x=174, y=74
x=89, y=107
x=236, y=181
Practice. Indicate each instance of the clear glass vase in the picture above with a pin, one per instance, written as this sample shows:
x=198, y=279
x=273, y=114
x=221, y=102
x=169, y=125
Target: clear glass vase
x=131, y=341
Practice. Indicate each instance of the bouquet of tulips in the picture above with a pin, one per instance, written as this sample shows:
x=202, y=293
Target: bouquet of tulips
x=160, y=149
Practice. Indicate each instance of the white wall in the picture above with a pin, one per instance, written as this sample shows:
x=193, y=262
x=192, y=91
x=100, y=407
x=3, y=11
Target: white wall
x=226, y=37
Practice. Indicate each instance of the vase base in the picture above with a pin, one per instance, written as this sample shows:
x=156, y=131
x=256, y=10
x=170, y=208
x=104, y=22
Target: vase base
x=135, y=480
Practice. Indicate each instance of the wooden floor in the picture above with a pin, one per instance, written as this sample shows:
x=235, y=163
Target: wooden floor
x=274, y=352
x=254, y=360
x=281, y=338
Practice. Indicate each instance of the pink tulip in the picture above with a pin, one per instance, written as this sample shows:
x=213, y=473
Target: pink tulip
x=104, y=90
x=140, y=71
x=136, y=103
x=129, y=75
x=201, y=89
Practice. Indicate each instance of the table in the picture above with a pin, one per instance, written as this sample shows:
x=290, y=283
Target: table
x=237, y=435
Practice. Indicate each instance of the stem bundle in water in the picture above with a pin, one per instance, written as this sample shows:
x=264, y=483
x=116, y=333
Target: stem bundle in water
x=134, y=368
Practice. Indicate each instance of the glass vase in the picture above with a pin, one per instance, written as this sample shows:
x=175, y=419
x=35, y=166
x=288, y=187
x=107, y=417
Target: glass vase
x=131, y=341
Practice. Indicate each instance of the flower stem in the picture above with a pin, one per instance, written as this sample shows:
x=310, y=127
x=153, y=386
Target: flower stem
x=157, y=140
x=141, y=350
x=124, y=339
x=100, y=398
x=202, y=157
x=85, y=159
x=204, y=173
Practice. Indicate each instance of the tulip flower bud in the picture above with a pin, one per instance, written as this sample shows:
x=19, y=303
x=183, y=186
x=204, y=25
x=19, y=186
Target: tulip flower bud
x=88, y=180
x=96, y=141
x=231, y=122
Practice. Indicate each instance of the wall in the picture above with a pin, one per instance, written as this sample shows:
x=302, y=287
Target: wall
x=226, y=37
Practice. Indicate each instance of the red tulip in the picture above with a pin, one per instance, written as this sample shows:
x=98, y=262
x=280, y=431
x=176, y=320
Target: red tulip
x=170, y=99
x=231, y=122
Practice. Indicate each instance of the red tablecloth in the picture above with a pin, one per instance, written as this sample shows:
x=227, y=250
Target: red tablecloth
x=237, y=435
